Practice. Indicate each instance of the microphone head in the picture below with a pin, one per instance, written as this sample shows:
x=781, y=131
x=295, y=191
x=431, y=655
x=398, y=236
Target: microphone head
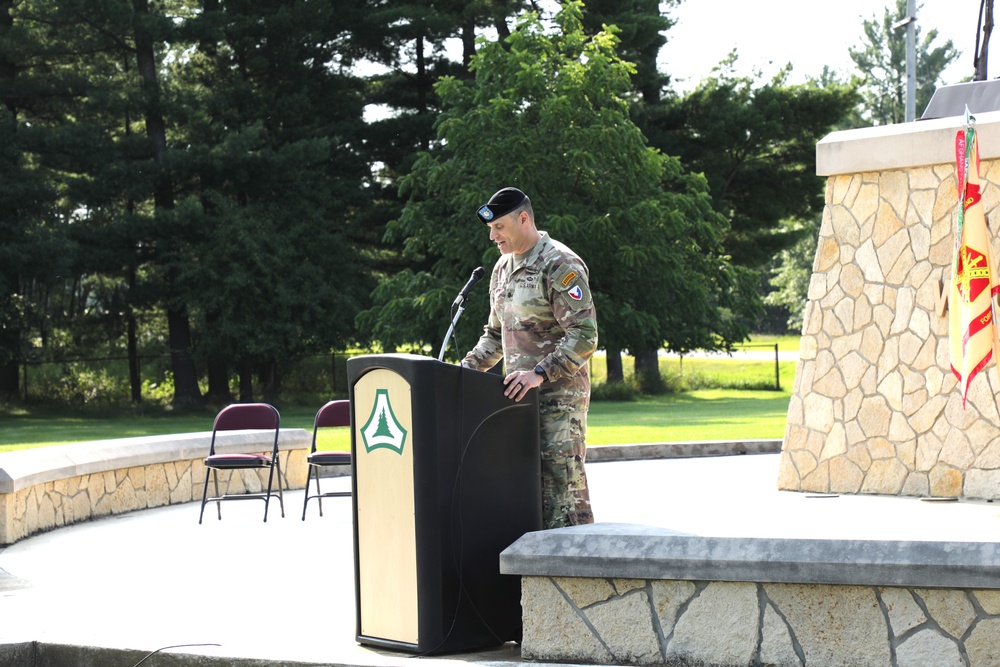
x=478, y=272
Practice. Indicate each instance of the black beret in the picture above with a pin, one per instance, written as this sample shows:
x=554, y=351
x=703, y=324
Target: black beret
x=500, y=204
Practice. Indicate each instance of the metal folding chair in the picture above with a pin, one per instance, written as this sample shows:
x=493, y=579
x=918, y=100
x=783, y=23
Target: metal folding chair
x=334, y=413
x=241, y=417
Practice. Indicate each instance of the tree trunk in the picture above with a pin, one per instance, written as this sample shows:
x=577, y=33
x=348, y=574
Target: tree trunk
x=134, y=371
x=218, y=381
x=186, y=389
x=10, y=371
x=615, y=371
x=10, y=380
x=468, y=46
x=178, y=326
x=647, y=372
x=8, y=70
x=246, y=382
x=270, y=381
x=132, y=343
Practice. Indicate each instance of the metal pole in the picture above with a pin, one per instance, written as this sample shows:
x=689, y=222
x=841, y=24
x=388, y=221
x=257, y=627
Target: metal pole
x=911, y=61
x=447, y=336
x=983, y=40
x=777, y=369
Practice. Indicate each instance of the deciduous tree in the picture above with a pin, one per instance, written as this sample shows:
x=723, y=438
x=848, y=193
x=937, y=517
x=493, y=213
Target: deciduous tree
x=548, y=113
x=881, y=63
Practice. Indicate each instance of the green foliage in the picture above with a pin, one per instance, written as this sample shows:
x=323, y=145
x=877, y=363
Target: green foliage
x=756, y=144
x=639, y=26
x=790, y=279
x=159, y=392
x=881, y=60
x=881, y=63
x=199, y=177
x=549, y=113
x=698, y=415
x=206, y=167
x=688, y=374
x=613, y=391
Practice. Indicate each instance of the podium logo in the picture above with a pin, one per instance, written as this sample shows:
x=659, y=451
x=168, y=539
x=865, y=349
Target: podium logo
x=382, y=428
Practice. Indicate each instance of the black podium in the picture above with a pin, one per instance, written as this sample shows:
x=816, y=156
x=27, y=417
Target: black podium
x=446, y=476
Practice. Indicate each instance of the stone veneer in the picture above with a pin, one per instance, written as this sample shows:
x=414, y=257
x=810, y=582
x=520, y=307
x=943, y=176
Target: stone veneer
x=50, y=487
x=875, y=408
x=676, y=622
x=629, y=594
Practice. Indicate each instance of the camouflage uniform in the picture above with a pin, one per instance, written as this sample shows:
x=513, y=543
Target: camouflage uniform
x=542, y=313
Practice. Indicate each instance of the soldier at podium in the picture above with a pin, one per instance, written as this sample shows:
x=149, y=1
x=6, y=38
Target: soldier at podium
x=543, y=326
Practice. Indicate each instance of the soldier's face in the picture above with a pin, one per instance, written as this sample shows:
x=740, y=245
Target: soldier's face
x=512, y=233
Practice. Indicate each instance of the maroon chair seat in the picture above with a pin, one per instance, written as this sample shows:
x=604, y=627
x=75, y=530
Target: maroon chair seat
x=238, y=461
x=330, y=458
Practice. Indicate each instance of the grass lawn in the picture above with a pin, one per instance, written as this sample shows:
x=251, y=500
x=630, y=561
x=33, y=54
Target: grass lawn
x=704, y=414
x=696, y=415
x=785, y=343
x=39, y=427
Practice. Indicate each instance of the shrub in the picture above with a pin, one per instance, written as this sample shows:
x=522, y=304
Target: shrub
x=613, y=391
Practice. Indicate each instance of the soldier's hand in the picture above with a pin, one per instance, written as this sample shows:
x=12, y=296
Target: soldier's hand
x=519, y=383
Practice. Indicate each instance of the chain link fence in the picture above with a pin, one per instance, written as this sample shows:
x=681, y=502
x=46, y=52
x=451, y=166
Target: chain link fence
x=104, y=381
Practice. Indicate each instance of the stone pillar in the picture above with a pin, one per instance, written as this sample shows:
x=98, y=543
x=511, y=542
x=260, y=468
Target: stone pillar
x=875, y=408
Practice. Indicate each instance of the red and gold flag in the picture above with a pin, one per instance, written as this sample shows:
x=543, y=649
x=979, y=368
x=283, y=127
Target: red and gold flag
x=974, y=283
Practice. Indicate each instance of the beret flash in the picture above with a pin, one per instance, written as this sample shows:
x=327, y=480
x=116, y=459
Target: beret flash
x=500, y=204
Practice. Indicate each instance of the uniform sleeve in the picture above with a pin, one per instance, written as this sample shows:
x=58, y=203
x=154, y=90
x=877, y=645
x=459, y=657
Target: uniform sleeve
x=489, y=350
x=573, y=309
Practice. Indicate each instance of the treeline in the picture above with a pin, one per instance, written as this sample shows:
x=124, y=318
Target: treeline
x=240, y=183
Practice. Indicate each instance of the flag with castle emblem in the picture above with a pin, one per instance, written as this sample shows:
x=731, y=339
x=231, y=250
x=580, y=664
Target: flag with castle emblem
x=972, y=327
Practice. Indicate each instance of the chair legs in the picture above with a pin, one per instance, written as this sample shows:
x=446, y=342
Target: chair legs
x=319, y=495
x=265, y=496
x=270, y=481
x=313, y=470
x=204, y=498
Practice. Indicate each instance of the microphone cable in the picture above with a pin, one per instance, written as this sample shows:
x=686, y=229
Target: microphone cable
x=164, y=648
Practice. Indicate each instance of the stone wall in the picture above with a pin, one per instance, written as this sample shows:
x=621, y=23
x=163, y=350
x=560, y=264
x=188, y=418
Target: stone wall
x=875, y=408
x=653, y=622
x=50, y=487
x=639, y=595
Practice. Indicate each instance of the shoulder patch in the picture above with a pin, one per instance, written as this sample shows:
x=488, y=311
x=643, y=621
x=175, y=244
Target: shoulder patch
x=572, y=281
x=565, y=277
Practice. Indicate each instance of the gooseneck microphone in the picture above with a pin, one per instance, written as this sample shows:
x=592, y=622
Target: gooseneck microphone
x=477, y=275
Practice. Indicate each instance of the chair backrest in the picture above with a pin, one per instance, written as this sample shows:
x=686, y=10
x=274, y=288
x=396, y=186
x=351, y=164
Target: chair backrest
x=334, y=413
x=242, y=416
x=246, y=416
